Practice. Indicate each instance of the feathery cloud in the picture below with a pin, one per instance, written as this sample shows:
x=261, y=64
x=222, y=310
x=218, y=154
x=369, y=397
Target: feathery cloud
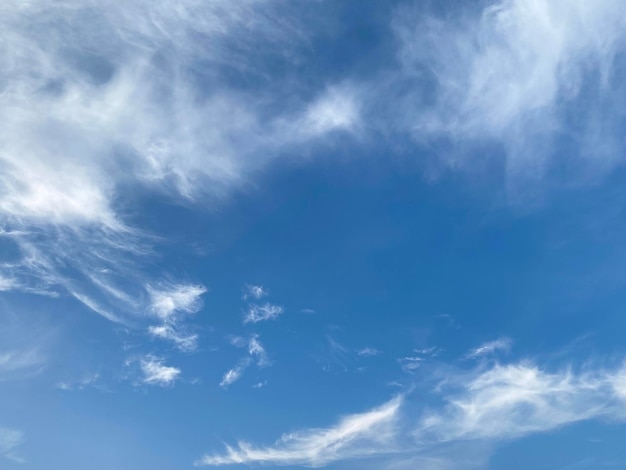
x=254, y=292
x=358, y=435
x=256, y=352
x=234, y=374
x=155, y=372
x=89, y=111
x=500, y=344
x=513, y=72
x=509, y=401
x=365, y=352
x=479, y=408
x=257, y=313
x=10, y=439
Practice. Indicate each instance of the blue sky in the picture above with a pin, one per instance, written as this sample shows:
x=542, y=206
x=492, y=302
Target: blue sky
x=345, y=235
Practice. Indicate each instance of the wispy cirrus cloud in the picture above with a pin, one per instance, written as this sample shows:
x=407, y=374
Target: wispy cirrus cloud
x=154, y=371
x=254, y=292
x=232, y=375
x=257, y=313
x=514, y=400
x=24, y=350
x=513, y=73
x=256, y=353
x=102, y=99
x=357, y=435
x=168, y=301
x=171, y=303
x=15, y=362
x=501, y=344
x=10, y=440
x=478, y=408
x=87, y=380
x=367, y=352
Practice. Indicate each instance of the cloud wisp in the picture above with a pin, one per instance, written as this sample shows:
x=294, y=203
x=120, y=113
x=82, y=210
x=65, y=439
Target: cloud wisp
x=501, y=344
x=154, y=371
x=483, y=406
x=357, y=435
x=171, y=304
x=103, y=100
x=257, y=313
x=513, y=73
x=256, y=354
x=10, y=440
x=252, y=291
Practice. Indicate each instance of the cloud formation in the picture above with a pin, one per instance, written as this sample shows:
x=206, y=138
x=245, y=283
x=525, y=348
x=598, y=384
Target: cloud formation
x=500, y=344
x=256, y=352
x=10, y=440
x=478, y=408
x=357, y=435
x=257, y=313
x=101, y=101
x=155, y=372
x=509, y=401
x=254, y=292
x=171, y=303
x=514, y=73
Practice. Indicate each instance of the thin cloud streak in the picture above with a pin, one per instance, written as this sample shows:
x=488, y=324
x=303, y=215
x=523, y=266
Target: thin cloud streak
x=353, y=436
x=491, y=347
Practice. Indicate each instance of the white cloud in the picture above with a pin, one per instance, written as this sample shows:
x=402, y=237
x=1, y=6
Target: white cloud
x=19, y=360
x=10, y=439
x=254, y=292
x=411, y=363
x=257, y=313
x=155, y=372
x=184, y=342
x=234, y=374
x=24, y=345
x=500, y=344
x=509, y=401
x=256, y=352
x=358, y=435
x=513, y=72
x=168, y=301
x=368, y=352
x=336, y=109
x=98, y=98
x=474, y=410
x=85, y=381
